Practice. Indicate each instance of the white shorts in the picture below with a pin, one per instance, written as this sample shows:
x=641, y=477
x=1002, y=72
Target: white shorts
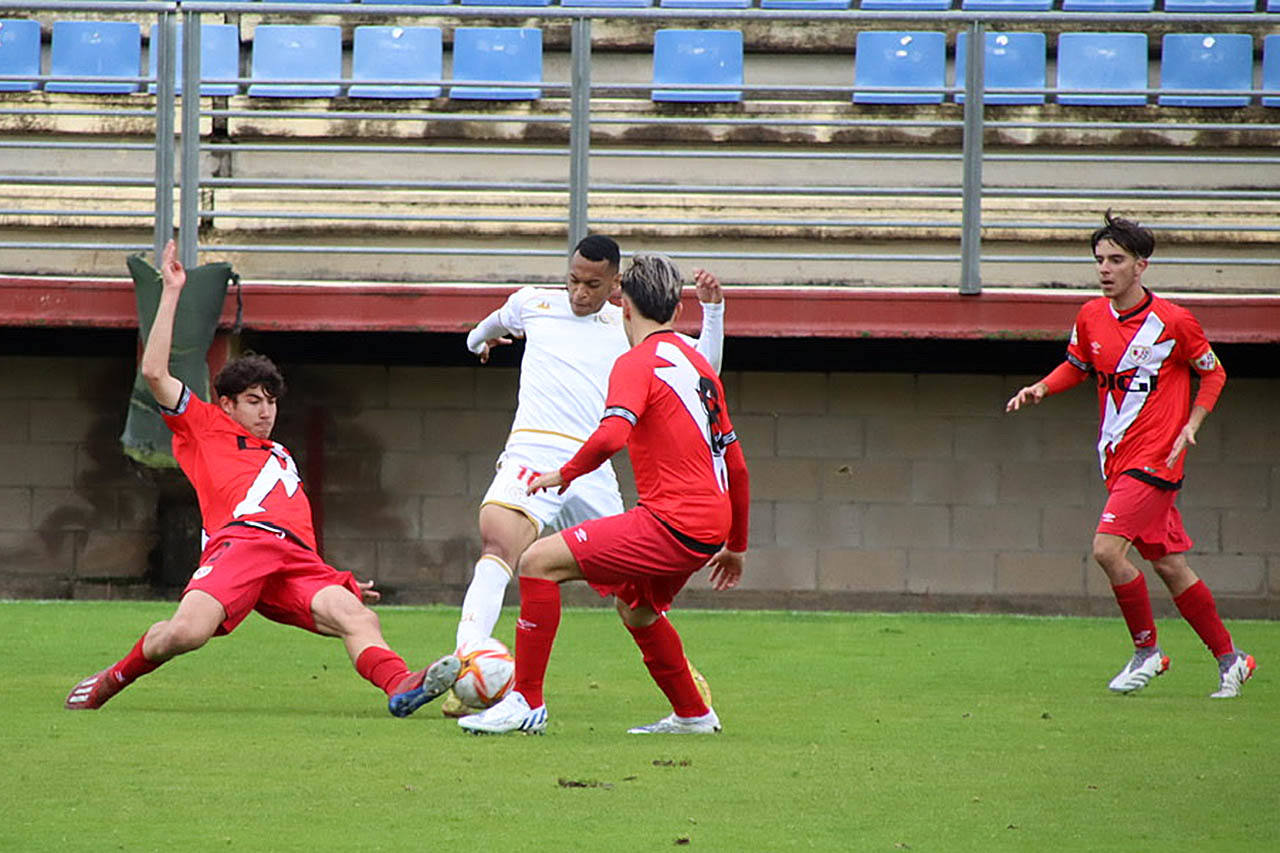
x=593, y=495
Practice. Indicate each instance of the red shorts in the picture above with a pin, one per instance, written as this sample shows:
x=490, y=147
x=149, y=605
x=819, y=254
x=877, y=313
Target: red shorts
x=1146, y=516
x=635, y=557
x=246, y=569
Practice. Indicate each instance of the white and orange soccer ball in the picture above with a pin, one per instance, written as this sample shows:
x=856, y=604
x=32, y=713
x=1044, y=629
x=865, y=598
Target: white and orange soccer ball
x=487, y=674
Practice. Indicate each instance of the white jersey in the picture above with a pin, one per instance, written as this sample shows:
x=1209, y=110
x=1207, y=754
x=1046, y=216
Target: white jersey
x=564, y=374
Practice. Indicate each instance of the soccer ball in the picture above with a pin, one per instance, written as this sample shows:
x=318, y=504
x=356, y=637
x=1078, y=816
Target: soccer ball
x=487, y=674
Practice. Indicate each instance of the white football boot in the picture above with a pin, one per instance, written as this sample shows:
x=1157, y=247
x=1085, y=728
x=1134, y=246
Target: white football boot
x=512, y=714
x=707, y=724
x=1233, y=670
x=1138, y=672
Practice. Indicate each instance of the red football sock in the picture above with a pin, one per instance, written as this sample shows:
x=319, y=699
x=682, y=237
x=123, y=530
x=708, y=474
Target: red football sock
x=664, y=656
x=1135, y=604
x=535, y=633
x=381, y=667
x=1196, y=605
x=133, y=665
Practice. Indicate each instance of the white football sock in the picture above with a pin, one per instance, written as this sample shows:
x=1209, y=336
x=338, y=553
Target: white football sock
x=482, y=604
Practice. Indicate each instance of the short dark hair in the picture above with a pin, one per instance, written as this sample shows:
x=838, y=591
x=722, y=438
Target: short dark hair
x=240, y=374
x=597, y=247
x=1125, y=233
x=653, y=284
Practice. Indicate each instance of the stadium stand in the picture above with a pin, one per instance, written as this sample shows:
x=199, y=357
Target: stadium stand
x=607, y=4
x=706, y=4
x=95, y=52
x=906, y=5
x=697, y=57
x=1013, y=61
x=497, y=54
x=1222, y=61
x=1210, y=6
x=1100, y=65
x=1108, y=5
x=911, y=60
x=1006, y=5
x=806, y=4
x=19, y=54
x=383, y=53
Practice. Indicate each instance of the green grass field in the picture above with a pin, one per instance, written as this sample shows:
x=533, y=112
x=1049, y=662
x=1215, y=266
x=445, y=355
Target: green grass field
x=842, y=732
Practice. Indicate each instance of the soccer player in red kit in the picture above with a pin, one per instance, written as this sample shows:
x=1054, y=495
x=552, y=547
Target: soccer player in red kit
x=260, y=553
x=1142, y=350
x=666, y=404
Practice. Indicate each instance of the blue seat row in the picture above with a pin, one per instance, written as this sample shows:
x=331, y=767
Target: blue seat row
x=891, y=67
x=1105, y=69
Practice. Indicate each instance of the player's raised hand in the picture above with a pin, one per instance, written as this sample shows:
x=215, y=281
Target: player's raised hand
x=549, y=480
x=726, y=569
x=1030, y=394
x=708, y=286
x=171, y=269
x=488, y=347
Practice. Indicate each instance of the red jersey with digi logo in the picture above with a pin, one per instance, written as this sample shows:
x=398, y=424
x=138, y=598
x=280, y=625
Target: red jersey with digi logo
x=675, y=402
x=1142, y=361
x=237, y=477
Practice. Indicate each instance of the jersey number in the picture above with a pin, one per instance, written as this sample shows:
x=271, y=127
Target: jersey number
x=274, y=470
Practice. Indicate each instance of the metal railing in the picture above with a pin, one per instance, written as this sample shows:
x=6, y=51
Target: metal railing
x=179, y=146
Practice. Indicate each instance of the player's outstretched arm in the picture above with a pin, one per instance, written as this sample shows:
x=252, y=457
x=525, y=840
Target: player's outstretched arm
x=711, y=339
x=165, y=387
x=487, y=334
x=1064, y=376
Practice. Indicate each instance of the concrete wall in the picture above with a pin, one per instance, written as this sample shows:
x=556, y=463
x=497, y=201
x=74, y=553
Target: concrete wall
x=871, y=490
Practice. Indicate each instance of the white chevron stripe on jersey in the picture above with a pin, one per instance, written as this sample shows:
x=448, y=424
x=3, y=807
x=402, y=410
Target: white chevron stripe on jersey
x=1116, y=419
x=683, y=378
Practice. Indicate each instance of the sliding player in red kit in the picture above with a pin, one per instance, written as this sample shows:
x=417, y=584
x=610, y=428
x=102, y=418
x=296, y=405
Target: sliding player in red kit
x=261, y=550
x=666, y=404
x=1142, y=350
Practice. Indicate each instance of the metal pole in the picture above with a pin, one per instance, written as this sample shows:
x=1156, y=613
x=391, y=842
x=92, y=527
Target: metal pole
x=189, y=201
x=971, y=210
x=166, y=32
x=579, y=130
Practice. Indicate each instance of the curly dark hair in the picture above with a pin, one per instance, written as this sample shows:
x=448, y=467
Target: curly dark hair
x=1125, y=233
x=249, y=370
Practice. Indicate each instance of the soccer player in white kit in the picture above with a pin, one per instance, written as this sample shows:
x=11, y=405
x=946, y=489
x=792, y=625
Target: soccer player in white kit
x=572, y=338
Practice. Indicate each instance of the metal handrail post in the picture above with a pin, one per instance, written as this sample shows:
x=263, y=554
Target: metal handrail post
x=579, y=130
x=971, y=200
x=189, y=200
x=167, y=34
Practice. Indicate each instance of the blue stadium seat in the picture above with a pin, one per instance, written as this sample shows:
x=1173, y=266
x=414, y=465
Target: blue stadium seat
x=1206, y=61
x=806, y=4
x=609, y=4
x=1108, y=5
x=706, y=4
x=96, y=49
x=1111, y=62
x=904, y=59
x=503, y=54
x=296, y=52
x=1210, y=5
x=380, y=53
x=506, y=2
x=1271, y=69
x=906, y=5
x=316, y=1
x=19, y=53
x=410, y=2
x=1273, y=5
x=1013, y=61
x=701, y=57
x=1006, y=5
x=219, y=59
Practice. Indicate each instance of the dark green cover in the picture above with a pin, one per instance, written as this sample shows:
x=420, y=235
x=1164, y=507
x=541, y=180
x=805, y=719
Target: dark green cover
x=146, y=439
